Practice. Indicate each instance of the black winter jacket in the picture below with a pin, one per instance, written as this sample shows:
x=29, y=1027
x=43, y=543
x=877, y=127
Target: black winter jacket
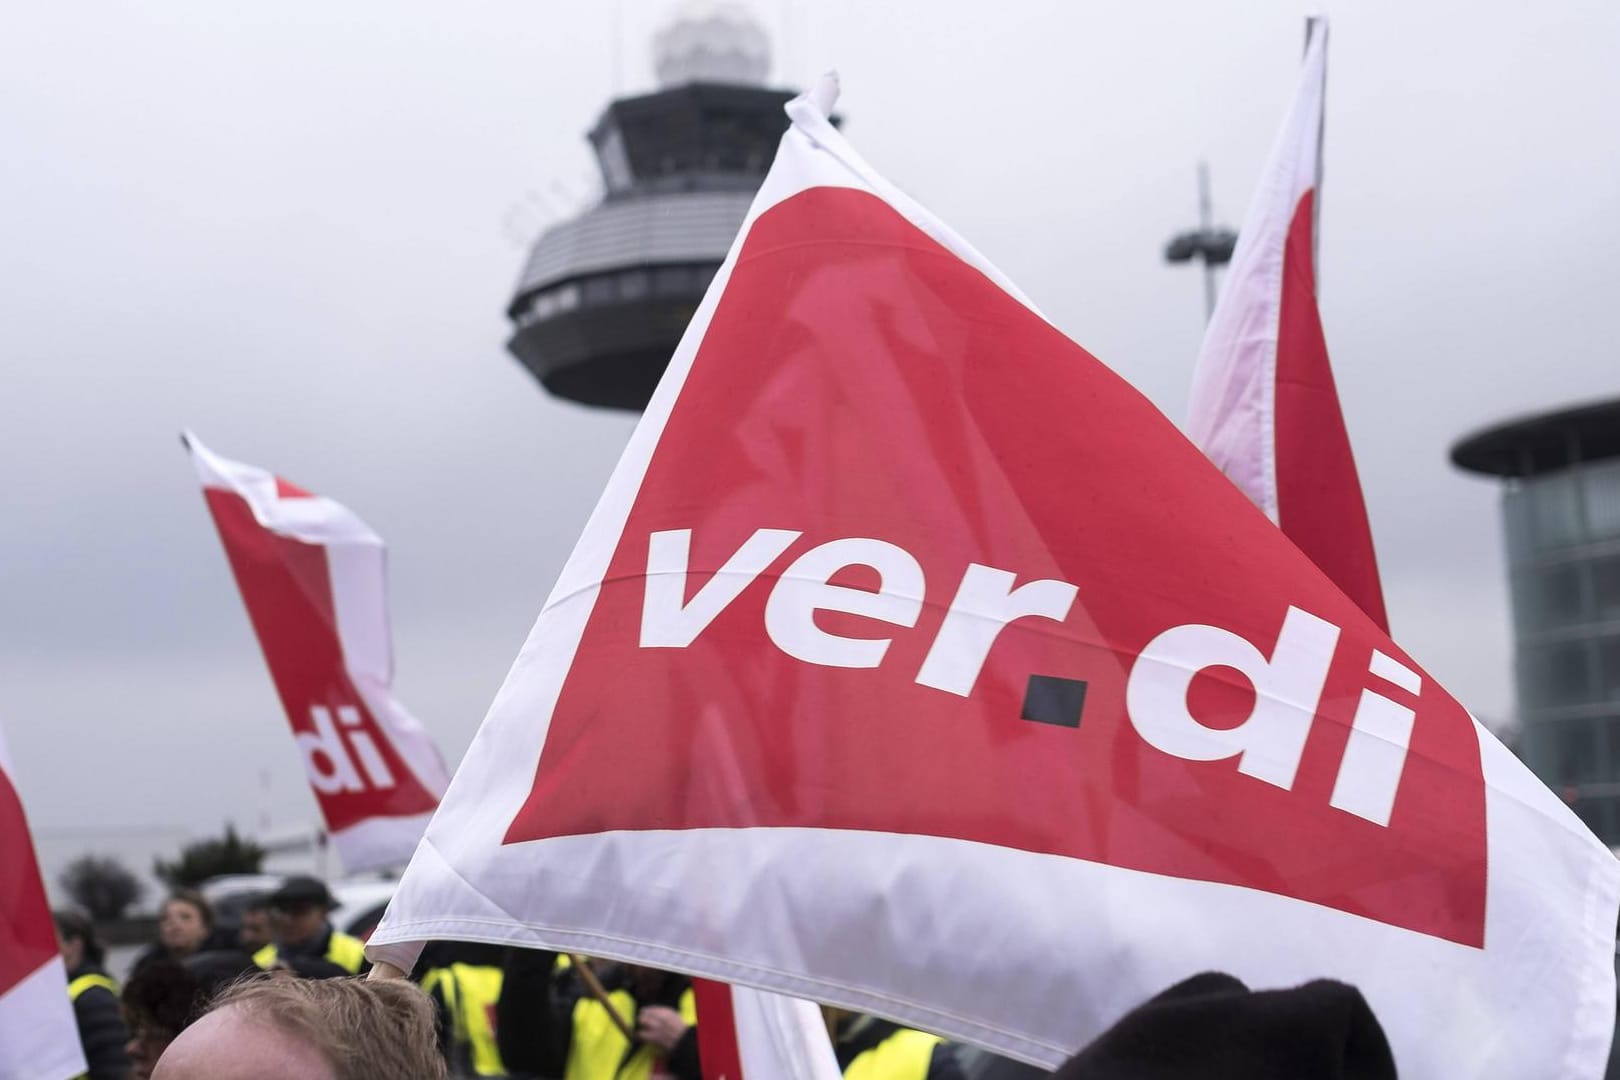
x=1212, y=1027
x=101, y=1028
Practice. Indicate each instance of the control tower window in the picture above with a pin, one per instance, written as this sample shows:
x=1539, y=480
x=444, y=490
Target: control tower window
x=1602, y=483
x=615, y=161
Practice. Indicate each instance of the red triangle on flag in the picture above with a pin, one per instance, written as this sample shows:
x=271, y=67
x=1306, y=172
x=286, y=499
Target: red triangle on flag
x=867, y=410
x=286, y=489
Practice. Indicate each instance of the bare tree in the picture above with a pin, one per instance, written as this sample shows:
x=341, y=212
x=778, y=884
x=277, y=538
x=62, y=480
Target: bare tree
x=101, y=885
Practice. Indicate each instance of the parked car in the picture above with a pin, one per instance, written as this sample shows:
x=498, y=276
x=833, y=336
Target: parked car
x=361, y=903
x=231, y=894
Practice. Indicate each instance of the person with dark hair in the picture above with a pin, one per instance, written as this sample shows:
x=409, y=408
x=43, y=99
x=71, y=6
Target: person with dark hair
x=254, y=932
x=298, y=920
x=162, y=997
x=185, y=924
x=94, y=996
x=215, y=969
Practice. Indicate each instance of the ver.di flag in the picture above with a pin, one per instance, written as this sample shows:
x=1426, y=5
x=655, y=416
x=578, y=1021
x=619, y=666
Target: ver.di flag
x=314, y=579
x=38, y=1037
x=913, y=662
x=1264, y=406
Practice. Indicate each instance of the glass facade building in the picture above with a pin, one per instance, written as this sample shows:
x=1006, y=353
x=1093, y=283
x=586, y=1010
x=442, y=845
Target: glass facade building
x=1561, y=510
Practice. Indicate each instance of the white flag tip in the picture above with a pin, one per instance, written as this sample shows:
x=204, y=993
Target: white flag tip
x=824, y=95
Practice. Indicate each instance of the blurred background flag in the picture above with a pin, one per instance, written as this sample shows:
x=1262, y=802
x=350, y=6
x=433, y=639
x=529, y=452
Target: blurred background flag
x=748, y=1034
x=314, y=579
x=1264, y=406
x=38, y=1037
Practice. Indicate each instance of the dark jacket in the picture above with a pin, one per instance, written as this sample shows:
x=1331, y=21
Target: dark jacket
x=218, y=938
x=101, y=1028
x=535, y=1017
x=438, y=957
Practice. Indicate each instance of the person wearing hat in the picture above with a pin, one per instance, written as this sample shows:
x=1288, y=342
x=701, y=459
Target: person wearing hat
x=305, y=939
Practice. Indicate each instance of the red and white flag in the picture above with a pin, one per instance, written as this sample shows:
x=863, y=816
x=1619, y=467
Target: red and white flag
x=748, y=1034
x=314, y=579
x=913, y=662
x=39, y=1039
x=1264, y=406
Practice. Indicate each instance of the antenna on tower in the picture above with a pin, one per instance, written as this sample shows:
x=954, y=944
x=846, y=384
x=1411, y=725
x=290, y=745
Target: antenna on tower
x=1210, y=243
x=617, y=22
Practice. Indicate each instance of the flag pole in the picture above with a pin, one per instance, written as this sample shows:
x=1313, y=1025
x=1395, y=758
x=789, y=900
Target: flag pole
x=1206, y=222
x=599, y=992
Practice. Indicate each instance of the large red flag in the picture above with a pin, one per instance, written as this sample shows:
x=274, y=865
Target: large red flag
x=314, y=579
x=38, y=1037
x=1264, y=406
x=913, y=662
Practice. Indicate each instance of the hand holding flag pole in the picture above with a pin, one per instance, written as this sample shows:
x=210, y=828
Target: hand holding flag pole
x=593, y=984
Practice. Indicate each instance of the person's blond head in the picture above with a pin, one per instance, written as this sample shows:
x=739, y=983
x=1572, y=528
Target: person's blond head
x=345, y=1029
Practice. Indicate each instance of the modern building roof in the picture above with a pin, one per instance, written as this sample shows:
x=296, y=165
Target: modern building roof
x=1543, y=442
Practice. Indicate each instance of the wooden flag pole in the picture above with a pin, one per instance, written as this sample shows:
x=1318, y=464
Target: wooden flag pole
x=599, y=992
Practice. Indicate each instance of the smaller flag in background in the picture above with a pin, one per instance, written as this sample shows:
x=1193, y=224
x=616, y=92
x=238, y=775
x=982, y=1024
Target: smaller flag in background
x=314, y=579
x=1264, y=405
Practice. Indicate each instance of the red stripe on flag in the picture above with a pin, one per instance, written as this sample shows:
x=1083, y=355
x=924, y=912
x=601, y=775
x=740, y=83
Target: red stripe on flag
x=717, y=1031
x=27, y=932
x=1319, y=503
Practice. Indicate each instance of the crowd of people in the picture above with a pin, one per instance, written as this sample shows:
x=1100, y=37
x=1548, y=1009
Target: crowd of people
x=125, y=1029
x=279, y=994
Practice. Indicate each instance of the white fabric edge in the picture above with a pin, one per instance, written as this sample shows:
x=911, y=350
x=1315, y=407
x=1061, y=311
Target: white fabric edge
x=1254, y=284
x=315, y=520
x=781, y=1038
x=379, y=843
x=39, y=1038
x=1394, y=967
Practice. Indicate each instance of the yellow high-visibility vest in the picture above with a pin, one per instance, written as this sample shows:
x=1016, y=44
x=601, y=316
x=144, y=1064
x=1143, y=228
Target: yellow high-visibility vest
x=905, y=1055
x=85, y=982
x=471, y=992
x=348, y=953
x=598, y=1048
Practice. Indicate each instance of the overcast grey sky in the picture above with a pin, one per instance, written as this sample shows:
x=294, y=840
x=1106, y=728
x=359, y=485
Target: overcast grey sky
x=294, y=227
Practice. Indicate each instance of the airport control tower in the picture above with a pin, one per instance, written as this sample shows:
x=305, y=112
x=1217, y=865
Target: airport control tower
x=605, y=295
